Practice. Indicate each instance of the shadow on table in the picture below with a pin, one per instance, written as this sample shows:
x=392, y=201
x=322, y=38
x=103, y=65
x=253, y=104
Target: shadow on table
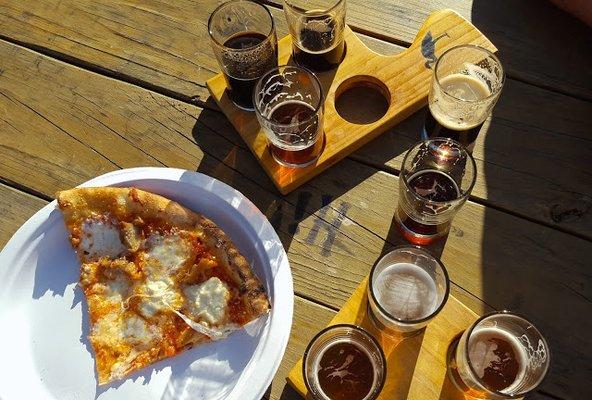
x=527, y=267
x=227, y=158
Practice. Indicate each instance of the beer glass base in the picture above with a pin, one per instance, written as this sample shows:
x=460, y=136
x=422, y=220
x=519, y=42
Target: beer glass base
x=454, y=377
x=243, y=107
x=290, y=165
x=390, y=332
x=417, y=238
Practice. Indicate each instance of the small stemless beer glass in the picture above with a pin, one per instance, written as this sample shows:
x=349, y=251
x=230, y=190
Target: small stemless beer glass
x=317, y=32
x=407, y=288
x=289, y=106
x=436, y=179
x=344, y=350
x=245, y=44
x=466, y=84
x=501, y=356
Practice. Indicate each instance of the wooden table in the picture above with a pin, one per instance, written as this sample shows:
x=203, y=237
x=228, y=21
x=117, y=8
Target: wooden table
x=90, y=86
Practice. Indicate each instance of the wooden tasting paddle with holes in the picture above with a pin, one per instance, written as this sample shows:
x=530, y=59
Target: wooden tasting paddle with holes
x=403, y=79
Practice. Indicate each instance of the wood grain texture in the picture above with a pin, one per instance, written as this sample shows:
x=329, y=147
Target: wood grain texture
x=16, y=208
x=151, y=42
x=157, y=44
x=404, y=77
x=538, y=43
x=532, y=155
x=334, y=228
x=416, y=366
x=161, y=43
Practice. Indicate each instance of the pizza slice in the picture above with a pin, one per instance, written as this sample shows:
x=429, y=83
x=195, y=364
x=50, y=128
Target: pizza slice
x=158, y=278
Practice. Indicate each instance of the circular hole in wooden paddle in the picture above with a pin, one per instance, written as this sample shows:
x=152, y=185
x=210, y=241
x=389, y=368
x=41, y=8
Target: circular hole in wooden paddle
x=362, y=99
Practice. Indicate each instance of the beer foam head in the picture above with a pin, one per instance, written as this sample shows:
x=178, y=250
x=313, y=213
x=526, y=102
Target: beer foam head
x=406, y=291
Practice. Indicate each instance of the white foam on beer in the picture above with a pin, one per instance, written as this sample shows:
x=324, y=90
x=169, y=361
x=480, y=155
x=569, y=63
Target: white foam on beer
x=460, y=86
x=481, y=353
x=406, y=291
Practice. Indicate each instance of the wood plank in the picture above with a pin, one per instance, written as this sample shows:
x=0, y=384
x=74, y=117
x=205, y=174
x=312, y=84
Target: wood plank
x=16, y=207
x=532, y=156
x=415, y=367
x=334, y=228
x=113, y=37
x=157, y=44
x=537, y=42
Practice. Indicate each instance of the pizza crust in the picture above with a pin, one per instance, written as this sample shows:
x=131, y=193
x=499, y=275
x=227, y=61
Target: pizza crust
x=128, y=209
x=253, y=290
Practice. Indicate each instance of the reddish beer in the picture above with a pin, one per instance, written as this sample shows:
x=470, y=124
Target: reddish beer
x=289, y=108
x=431, y=185
x=303, y=145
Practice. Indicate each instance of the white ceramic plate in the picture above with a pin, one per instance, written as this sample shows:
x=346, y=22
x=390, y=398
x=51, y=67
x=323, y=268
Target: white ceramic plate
x=44, y=352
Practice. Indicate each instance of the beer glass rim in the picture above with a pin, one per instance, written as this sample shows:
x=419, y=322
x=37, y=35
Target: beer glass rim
x=313, y=77
x=230, y=3
x=464, y=194
x=358, y=329
x=475, y=47
x=446, y=290
x=290, y=4
x=522, y=317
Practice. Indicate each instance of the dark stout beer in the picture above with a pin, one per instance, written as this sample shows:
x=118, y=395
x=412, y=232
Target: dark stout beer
x=320, y=48
x=345, y=372
x=245, y=69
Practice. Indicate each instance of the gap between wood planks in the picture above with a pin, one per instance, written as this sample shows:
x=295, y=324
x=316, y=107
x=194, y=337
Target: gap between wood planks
x=539, y=395
x=406, y=44
x=177, y=96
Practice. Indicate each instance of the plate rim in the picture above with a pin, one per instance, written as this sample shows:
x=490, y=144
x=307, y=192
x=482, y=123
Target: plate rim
x=19, y=238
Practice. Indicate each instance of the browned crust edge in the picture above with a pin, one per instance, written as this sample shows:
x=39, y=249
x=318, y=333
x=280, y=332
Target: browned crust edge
x=250, y=286
x=79, y=203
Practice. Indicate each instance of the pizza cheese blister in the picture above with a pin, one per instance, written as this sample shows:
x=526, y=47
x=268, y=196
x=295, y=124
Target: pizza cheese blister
x=158, y=278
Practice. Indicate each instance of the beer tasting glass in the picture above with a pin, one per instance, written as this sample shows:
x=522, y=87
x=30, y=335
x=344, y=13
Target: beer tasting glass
x=289, y=105
x=317, y=32
x=436, y=179
x=466, y=83
x=245, y=44
x=407, y=288
x=344, y=362
x=501, y=356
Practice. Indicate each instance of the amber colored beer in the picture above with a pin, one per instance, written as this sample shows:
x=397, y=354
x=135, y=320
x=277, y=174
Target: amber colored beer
x=431, y=185
x=297, y=147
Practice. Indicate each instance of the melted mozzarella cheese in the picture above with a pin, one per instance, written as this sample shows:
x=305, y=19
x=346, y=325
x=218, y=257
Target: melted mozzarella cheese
x=158, y=294
x=113, y=330
x=108, y=329
x=100, y=239
x=170, y=251
x=117, y=289
x=136, y=330
x=208, y=300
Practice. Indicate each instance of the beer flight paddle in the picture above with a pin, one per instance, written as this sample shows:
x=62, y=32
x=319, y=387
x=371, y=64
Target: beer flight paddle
x=402, y=79
x=416, y=367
